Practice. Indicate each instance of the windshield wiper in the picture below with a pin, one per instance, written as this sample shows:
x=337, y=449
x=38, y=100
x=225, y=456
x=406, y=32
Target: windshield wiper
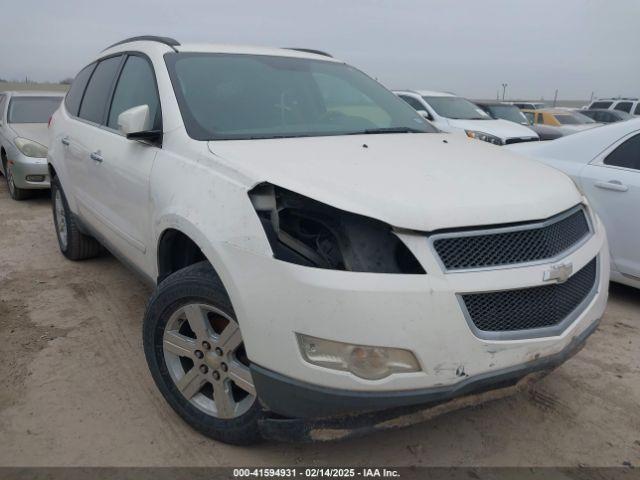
x=370, y=131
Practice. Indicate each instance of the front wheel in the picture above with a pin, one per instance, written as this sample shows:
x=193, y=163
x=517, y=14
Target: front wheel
x=194, y=349
x=15, y=192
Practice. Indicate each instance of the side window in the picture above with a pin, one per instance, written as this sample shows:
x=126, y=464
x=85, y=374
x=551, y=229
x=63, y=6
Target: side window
x=415, y=103
x=540, y=118
x=74, y=95
x=529, y=116
x=637, y=110
x=97, y=94
x=626, y=155
x=136, y=86
x=623, y=106
x=600, y=105
x=2, y=102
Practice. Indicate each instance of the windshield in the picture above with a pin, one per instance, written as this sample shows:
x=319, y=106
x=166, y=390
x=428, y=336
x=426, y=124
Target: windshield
x=573, y=118
x=32, y=109
x=508, y=112
x=456, y=108
x=237, y=96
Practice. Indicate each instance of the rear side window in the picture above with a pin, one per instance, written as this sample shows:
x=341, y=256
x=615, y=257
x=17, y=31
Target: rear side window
x=637, y=110
x=540, y=118
x=97, y=94
x=74, y=96
x=601, y=104
x=627, y=155
x=413, y=102
x=623, y=106
x=136, y=86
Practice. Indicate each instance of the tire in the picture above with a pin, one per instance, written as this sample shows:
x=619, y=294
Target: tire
x=73, y=244
x=196, y=356
x=15, y=192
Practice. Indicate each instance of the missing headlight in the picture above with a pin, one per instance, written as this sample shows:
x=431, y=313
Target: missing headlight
x=306, y=232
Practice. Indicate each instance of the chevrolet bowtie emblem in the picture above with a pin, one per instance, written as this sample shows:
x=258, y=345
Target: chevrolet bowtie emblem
x=560, y=273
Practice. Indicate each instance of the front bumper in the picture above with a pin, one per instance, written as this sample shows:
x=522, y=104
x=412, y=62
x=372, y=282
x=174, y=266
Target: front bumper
x=387, y=410
x=22, y=166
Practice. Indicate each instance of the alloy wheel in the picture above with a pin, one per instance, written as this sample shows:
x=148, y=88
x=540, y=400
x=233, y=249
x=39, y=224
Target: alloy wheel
x=205, y=357
x=61, y=219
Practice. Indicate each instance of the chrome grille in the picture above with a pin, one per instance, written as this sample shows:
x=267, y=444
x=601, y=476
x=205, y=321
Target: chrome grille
x=530, y=308
x=511, y=245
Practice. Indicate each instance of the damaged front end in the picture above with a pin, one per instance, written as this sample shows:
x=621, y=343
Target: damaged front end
x=306, y=232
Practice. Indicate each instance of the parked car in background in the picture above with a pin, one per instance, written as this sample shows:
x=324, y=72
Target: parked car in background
x=24, y=139
x=529, y=105
x=454, y=114
x=628, y=105
x=320, y=253
x=606, y=116
x=504, y=111
x=570, y=121
x=512, y=113
x=605, y=163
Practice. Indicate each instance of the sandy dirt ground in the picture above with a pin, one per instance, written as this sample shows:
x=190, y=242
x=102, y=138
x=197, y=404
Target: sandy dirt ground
x=75, y=389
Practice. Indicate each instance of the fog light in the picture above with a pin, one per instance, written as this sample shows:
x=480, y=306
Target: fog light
x=35, y=178
x=371, y=363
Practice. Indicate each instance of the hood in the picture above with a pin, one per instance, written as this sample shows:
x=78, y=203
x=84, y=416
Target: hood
x=419, y=182
x=500, y=128
x=38, y=132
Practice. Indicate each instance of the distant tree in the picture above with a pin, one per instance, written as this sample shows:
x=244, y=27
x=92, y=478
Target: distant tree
x=66, y=81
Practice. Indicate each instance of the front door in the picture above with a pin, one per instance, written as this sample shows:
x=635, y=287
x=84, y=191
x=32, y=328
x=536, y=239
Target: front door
x=612, y=184
x=121, y=167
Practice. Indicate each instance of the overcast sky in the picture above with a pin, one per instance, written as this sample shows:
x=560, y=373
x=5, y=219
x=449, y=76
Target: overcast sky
x=468, y=47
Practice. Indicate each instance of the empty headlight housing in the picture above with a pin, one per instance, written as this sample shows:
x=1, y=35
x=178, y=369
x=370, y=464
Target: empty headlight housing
x=370, y=363
x=485, y=137
x=30, y=148
x=307, y=232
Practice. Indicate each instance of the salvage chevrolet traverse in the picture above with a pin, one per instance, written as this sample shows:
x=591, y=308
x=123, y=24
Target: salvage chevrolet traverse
x=317, y=248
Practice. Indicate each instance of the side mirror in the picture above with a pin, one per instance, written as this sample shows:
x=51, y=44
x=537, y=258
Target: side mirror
x=135, y=123
x=425, y=114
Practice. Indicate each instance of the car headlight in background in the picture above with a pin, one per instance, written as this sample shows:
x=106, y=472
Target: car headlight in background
x=485, y=137
x=306, y=232
x=30, y=148
x=370, y=363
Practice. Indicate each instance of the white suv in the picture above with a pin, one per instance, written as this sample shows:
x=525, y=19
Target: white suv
x=317, y=250
x=629, y=105
x=454, y=114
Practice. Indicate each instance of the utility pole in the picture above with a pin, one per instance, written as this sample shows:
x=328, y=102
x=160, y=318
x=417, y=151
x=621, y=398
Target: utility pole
x=555, y=98
x=504, y=90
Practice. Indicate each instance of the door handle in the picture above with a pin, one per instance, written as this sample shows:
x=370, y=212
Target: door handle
x=96, y=156
x=615, y=185
x=65, y=141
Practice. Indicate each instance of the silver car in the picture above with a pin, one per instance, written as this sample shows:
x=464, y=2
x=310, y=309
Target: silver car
x=24, y=118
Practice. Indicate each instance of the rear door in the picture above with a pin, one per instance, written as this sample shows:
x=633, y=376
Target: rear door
x=120, y=168
x=83, y=130
x=612, y=184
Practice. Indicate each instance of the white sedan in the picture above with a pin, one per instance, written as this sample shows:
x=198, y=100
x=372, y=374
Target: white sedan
x=605, y=164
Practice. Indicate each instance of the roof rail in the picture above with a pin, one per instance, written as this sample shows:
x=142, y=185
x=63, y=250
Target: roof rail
x=310, y=50
x=149, y=38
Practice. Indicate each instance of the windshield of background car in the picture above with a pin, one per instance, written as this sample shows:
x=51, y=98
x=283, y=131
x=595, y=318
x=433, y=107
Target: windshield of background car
x=456, y=108
x=32, y=109
x=238, y=96
x=573, y=119
x=508, y=112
